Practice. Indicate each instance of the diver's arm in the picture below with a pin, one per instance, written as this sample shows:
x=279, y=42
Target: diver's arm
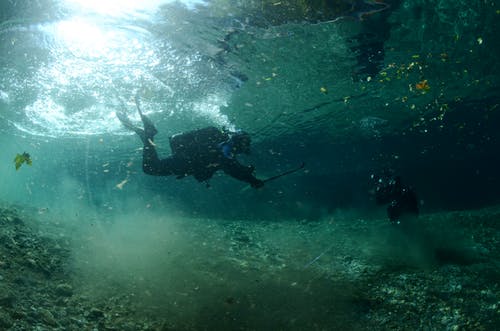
x=244, y=173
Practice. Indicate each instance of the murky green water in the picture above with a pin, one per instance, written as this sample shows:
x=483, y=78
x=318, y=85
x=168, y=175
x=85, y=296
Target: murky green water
x=351, y=88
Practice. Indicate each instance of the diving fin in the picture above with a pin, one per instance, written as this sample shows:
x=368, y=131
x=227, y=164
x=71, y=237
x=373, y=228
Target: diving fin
x=149, y=128
x=128, y=124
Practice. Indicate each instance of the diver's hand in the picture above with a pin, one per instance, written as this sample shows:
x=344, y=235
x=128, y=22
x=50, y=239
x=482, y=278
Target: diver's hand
x=257, y=183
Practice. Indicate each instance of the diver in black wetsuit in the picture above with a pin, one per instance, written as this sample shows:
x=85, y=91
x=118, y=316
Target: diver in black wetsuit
x=402, y=199
x=198, y=153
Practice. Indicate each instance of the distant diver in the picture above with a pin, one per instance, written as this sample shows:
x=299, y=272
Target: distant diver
x=402, y=199
x=199, y=153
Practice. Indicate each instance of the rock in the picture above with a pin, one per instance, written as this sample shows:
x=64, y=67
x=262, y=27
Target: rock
x=5, y=320
x=18, y=314
x=64, y=290
x=7, y=299
x=25, y=281
x=95, y=314
x=31, y=263
x=47, y=317
x=12, y=219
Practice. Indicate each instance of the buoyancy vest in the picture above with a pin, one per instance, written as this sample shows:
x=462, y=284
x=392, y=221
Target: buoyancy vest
x=197, y=142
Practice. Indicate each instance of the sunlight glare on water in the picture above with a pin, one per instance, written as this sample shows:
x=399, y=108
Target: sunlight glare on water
x=75, y=85
x=86, y=39
x=99, y=56
x=124, y=7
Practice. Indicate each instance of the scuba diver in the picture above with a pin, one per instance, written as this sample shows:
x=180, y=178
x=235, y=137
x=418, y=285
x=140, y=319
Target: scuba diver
x=199, y=153
x=402, y=199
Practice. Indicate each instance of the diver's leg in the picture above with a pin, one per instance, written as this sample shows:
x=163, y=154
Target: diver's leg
x=151, y=163
x=149, y=128
x=394, y=213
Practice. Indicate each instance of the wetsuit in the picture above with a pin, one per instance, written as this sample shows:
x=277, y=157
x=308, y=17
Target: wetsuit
x=200, y=154
x=401, y=199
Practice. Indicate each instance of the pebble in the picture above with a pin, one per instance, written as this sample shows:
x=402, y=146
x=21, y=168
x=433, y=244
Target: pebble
x=95, y=314
x=47, y=317
x=64, y=290
x=7, y=299
x=404, y=296
x=5, y=320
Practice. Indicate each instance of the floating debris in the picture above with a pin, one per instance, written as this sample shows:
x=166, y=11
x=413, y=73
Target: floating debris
x=122, y=183
x=22, y=158
x=423, y=86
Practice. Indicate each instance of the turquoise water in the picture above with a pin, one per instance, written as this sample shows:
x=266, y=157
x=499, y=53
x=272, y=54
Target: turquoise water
x=350, y=88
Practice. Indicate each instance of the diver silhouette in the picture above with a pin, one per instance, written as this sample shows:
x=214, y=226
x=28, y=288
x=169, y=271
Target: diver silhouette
x=402, y=199
x=199, y=153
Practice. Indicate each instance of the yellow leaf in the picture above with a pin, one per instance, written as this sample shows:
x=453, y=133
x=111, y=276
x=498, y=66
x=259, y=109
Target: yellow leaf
x=22, y=158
